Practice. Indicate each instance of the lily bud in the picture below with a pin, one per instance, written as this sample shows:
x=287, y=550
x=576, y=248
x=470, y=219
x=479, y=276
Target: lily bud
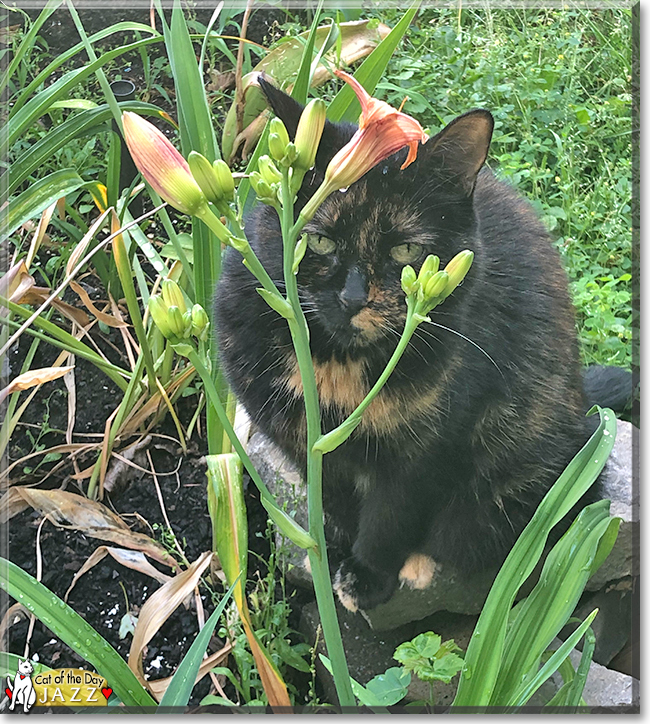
x=264, y=192
x=158, y=311
x=299, y=252
x=173, y=296
x=308, y=133
x=268, y=171
x=200, y=322
x=161, y=165
x=176, y=321
x=225, y=179
x=278, y=145
x=430, y=264
x=457, y=269
x=205, y=176
x=409, y=280
x=436, y=286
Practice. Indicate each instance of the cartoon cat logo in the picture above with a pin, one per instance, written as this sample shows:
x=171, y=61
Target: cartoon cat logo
x=21, y=689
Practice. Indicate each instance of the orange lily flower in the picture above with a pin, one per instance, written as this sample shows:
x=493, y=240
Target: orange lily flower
x=382, y=132
x=162, y=166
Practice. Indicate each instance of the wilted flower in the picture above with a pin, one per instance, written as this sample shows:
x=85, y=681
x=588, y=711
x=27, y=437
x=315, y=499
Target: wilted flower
x=162, y=165
x=382, y=131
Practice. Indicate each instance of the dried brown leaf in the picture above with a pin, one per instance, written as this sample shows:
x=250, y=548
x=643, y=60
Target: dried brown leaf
x=108, y=319
x=159, y=607
x=69, y=510
x=159, y=686
x=134, y=560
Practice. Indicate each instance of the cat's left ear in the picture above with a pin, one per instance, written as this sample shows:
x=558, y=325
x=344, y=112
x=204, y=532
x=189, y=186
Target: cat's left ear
x=460, y=149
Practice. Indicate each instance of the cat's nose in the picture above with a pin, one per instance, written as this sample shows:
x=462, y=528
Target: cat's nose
x=354, y=295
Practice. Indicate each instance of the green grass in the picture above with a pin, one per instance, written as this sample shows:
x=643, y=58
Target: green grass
x=559, y=86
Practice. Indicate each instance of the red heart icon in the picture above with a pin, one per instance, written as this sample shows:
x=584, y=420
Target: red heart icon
x=107, y=692
x=9, y=692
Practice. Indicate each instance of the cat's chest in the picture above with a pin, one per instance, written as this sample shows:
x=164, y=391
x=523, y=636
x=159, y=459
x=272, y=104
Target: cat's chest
x=343, y=385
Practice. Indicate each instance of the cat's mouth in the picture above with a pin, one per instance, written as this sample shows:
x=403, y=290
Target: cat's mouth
x=366, y=326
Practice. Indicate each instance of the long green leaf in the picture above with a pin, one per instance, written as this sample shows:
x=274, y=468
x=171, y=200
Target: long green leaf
x=38, y=197
x=521, y=697
x=80, y=636
x=39, y=104
x=574, y=695
x=345, y=106
x=180, y=687
x=27, y=43
x=46, y=73
x=301, y=86
x=484, y=653
x=549, y=606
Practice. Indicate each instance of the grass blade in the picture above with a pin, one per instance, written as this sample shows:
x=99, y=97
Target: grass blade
x=37, y=198
x=345, y=106
x=549, y=668
x=484, y=653
x=577, y=686
x=301, y=86
x=81, y=637
x=180, y=687
x=27, y=43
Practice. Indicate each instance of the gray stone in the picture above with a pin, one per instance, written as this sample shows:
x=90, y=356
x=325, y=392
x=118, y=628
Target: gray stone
x=450, y=591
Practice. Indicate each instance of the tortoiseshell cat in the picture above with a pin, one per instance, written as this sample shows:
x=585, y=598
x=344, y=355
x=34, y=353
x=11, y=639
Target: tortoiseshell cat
x=484, y=410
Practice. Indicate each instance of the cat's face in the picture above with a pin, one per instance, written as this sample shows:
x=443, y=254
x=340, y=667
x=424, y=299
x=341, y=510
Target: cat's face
x=25, y=667
x=360, y=239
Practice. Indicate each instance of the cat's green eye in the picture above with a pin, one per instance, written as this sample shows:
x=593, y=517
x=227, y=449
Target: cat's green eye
x=406, y=253
x=320, y=244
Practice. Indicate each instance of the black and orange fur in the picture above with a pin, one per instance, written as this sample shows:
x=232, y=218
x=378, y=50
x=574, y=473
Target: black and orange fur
x=485, y=408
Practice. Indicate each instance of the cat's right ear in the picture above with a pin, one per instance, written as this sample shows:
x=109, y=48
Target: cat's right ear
x=335, y=135
x=461, y=148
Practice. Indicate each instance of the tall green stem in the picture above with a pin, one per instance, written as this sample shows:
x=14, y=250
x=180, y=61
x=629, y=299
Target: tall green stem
x=318, y=561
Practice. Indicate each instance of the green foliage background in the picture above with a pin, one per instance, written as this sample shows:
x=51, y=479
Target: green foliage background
x=558, y=83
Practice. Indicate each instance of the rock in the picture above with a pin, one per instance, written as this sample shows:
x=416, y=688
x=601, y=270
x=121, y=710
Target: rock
x=613, y=624
x=450, y=591
x=621, y=469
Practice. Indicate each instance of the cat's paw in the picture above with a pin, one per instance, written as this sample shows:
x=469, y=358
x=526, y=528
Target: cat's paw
x=418, y=571
x=359, y=588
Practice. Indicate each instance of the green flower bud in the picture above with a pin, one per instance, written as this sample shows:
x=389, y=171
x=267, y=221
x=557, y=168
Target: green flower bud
x=299, y=252
x=176, y=321
x=436, y=285
x=204, y=176
x=288, y=525
x=278, y=303
x=290, y=156
x=158, y=311
x=409, y=280
x=225, y=179
x=309, y=132
x=200, y=322
x=173, y=296
x=276, y=148
x=268, y=171
x=430, y=264
x=264, y=192
x=457, y=269
x=277, y=128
